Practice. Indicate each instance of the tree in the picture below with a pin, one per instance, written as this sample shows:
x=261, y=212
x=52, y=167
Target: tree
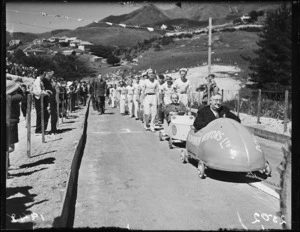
x=253, y=16
x=113, y=60
x=271, y=67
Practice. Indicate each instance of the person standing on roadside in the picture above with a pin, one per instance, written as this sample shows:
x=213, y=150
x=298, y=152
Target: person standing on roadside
x=13, y=89
x=24, y=100
x=38, y=90
x=100, y=92
x=53, y=105
x=150, y=93
x=182, y=86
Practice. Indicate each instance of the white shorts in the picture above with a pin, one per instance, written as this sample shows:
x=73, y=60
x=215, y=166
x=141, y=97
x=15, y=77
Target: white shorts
x=150, y=104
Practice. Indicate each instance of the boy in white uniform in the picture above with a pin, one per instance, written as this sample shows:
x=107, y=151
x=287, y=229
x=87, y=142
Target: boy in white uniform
x=136, y=98
x=150, y=93
x=123, y=92
x=167, y=91
x=182, y=86
x=129, y=88
x=141, y=84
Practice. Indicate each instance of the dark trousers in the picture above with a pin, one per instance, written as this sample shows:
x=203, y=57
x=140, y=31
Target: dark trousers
x=84, y=97
x=38, y=110
x=160, y=113
x=101, y=104
x=53, y=114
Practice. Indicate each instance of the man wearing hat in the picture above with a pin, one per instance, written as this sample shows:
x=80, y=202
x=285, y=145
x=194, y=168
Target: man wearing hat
x=141, y=84
x=209, y=87
x=13, y=91
x=213, y=111
x=39, y=90
x=150, y=91
x=182, y=86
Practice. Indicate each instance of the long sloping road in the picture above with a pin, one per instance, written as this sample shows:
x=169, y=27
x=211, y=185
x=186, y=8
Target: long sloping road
x=129, y=179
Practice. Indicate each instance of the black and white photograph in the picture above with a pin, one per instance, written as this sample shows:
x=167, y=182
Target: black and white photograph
x=148, y=115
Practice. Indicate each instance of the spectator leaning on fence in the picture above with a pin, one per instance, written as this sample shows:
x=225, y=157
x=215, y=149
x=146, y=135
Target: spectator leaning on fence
x=38, y=90
x=13, y=90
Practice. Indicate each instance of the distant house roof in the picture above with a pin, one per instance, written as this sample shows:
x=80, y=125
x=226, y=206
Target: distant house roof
x=76, y=41
x=15, y=41
x=36, y=50
x=86, y=43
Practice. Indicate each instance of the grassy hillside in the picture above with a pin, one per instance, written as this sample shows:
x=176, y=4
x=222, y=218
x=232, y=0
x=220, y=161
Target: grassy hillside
x=113, y=36
x=24, y=37
x=202, y=11
x=227, y=46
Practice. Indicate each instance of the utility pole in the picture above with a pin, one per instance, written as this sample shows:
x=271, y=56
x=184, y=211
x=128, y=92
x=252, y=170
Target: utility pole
x=209, y=45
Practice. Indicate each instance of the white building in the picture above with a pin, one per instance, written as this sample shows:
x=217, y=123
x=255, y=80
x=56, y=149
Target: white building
x=84, y=45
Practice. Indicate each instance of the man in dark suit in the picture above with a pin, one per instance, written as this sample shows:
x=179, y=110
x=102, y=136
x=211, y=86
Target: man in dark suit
x=213, y=111
x=99, y=92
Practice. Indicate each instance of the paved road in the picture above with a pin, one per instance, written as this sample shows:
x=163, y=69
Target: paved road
x=128, y=178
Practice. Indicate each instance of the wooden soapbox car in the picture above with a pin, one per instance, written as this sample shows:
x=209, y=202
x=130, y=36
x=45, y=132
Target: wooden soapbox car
x=178, y=128
x=225, y=145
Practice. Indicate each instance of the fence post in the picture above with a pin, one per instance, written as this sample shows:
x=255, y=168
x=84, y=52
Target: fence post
x=222, y=94
x=238, y=103
x=286, y=106
x=42, y=119
x=8, y=111
x=258, y=106
x=28, y=121
x=62, y=107
x=57, y=106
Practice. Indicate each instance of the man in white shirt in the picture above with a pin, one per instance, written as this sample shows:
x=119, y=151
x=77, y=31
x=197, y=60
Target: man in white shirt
x=150, y=93
x=182, y=86
x=38, y=90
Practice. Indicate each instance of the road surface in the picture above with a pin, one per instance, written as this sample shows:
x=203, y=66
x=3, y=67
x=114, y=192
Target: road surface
x=130, y=179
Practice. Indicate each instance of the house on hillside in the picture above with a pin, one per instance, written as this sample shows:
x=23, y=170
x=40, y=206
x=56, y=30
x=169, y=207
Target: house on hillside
x=69, y=52
x=245, y=18
x=70, y=39
x=85, y=45
x=75, y=43
x=62, y=39
x=37, y=41
x=96, y=58
x=36, y=52
x=15, y=42
x=53, y=39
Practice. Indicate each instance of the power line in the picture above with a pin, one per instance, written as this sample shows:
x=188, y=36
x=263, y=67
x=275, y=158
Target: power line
x=31, y=25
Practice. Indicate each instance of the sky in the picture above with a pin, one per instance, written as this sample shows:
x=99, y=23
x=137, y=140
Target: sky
x=27, y=17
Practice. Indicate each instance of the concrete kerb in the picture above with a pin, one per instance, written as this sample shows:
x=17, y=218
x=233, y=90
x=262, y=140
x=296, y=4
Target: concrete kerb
x=62, y=220
x=263, y=133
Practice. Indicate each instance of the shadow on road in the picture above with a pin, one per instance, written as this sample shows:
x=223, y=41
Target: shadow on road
x=25, y=173
x=44, y=153
x=226, y=176
x=44, y=161
x=16, y=208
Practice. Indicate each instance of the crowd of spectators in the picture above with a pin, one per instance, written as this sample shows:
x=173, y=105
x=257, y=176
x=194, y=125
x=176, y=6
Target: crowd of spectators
x=20, y=70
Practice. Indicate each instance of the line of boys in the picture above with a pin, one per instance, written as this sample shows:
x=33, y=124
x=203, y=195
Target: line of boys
x=146, y=96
